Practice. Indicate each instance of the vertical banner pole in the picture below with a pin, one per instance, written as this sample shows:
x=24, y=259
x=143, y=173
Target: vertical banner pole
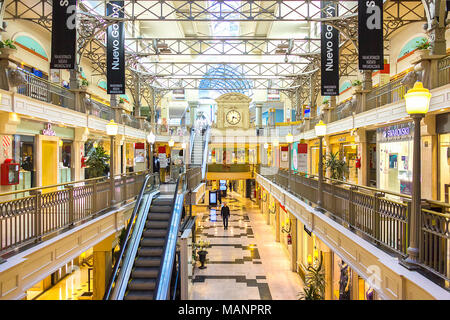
x=115, y=49
x=329, y=51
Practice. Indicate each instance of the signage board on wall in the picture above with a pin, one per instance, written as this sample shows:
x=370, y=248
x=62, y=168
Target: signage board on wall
x=370, y=35
x=273, y=95
x=115, y=50
x=329, y=51
x=64, y=34
x=302, y=157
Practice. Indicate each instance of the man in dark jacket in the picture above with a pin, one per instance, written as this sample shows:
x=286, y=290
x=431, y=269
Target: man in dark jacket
x=225, y=213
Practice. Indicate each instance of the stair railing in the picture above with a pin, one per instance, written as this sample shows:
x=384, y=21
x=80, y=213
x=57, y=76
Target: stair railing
x=162, y=288
x=116, y=286
x=205, y=152
x=191, y=144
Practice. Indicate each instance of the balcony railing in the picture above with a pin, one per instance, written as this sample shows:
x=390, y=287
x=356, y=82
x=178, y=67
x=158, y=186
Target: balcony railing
x=375, y=215
x=47, y=210
x=391, y=92
x=43, y=90
x=102, y=111
x=444, y=71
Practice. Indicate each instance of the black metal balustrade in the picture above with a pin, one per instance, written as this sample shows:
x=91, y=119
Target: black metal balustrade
x=102, y=111
x=380, y=216
x=443, y=71
x=43, y=90
x=48, y=210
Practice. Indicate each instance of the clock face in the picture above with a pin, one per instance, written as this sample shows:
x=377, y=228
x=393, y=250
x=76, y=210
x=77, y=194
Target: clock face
x=233, y=117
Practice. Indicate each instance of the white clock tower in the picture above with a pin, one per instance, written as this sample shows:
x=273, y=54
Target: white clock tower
x=233, y=111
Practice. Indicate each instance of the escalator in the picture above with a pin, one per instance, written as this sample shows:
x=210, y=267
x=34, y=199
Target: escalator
x=145, y=265
x=199, y=148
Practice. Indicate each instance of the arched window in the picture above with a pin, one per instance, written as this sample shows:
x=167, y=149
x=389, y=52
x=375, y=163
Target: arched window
x=29, y=44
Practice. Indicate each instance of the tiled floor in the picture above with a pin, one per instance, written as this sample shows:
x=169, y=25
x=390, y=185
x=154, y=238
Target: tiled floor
x=69, y=288
x=243, y=262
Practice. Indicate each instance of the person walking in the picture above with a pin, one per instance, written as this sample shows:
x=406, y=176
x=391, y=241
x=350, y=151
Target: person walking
x=225, y=213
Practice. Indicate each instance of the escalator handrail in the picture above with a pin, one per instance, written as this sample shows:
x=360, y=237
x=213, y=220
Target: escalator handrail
x=115, y=272
x=191, y=144
x=205, y=151
x=165, y=270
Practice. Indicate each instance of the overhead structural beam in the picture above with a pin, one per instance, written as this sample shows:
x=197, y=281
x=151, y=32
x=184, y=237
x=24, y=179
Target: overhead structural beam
x=224, y=46
x=246, y=10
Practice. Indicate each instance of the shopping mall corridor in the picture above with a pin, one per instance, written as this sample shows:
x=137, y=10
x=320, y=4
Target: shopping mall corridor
x=243, y=262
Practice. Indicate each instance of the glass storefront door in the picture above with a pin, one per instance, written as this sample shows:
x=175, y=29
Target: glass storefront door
x=394, y=155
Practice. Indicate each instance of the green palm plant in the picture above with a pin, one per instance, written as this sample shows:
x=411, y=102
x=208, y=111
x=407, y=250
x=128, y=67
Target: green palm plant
x=98, y=162
x=337, y=167
x=315, y=283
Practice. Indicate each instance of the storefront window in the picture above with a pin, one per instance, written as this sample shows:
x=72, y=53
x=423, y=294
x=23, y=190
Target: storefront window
x=342, y=276
x=395, y=148
x=24, y=153
x=349, y=155
x=444, y=167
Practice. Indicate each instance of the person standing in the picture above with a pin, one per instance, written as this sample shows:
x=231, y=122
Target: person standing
x=225, y=213
x=219, y=196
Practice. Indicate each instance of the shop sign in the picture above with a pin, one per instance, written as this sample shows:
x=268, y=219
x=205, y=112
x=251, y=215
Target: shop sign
x=115, y=49
x=396, y=132
x=329, y=51
x=64, y=34
x=48, y=131
x=370, y=35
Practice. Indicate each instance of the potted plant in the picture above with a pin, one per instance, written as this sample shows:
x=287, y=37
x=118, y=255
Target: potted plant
x=357, y=85
x=98, y=162
x=7, y=47
x=84, y=84
x=121, y=103
x=326, y=103
x=337, y=167
x=201, y=252
x=315, y=282
x=422, y=48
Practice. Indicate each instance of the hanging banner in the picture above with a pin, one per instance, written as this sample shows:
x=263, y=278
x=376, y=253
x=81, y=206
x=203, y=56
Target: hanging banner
x=64, y=34
x=370, y=35
x=115, y=50
x=329, y=51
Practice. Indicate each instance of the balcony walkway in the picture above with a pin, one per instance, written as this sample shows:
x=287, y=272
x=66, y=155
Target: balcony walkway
x=243, y=262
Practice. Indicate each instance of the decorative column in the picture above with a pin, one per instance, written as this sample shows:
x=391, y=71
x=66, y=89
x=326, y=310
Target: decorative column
x=436, y=27
x=258, y=115
x=102, y=266
x=294, y=242
x=429, y=154
x=361, y=140
x=81, y=135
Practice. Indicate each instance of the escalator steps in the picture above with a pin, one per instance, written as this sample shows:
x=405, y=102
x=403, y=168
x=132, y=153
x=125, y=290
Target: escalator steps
x=148, y=260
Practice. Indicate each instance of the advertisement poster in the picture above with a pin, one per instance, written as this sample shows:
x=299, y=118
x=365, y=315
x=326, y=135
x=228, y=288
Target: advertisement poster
x=162, y=160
